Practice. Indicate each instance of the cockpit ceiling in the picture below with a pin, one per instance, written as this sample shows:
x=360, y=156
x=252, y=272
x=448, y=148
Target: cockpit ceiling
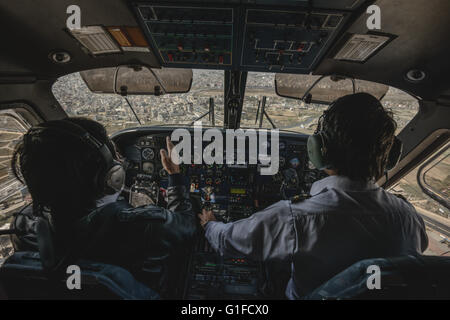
x=283, y=36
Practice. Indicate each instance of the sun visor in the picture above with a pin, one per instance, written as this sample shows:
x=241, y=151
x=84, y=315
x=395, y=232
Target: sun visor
x=324, y=89
x=138, y=80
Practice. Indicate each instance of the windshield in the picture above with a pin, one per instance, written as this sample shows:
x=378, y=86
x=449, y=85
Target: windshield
x=182, y=109
x=295, y=115
x=114, y=113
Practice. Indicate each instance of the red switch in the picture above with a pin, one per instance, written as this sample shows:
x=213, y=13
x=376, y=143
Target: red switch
x=170, y=56
x=220, y=59
x=300, y=47
x=180, y=47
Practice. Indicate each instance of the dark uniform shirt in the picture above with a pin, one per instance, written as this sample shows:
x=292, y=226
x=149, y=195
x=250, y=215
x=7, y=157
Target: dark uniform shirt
x=343, y=222
x=119, y=234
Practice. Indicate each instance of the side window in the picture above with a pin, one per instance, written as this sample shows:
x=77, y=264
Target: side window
x=427, y=188
x=13, y=194
x=434, y=178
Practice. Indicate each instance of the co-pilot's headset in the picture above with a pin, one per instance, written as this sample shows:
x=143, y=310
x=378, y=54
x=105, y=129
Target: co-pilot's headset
x=111, y=177
x=317, y=144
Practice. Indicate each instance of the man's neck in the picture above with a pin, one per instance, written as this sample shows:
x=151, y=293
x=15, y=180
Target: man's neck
x=331, y=172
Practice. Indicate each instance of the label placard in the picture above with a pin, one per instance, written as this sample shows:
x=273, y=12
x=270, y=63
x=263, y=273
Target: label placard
x=360, y=47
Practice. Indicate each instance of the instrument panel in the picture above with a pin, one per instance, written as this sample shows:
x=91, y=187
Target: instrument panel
x=232, y=192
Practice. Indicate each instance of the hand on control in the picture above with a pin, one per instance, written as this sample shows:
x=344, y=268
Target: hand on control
x=206, y=216
x=166, y=158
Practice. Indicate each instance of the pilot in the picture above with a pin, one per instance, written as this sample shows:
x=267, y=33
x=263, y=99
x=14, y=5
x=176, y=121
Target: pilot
x=75, y=176
x=347, y=217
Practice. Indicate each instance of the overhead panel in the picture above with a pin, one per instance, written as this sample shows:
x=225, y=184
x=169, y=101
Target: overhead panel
x=238, y=35
x=323, y=4
x=278, y=40
x=190, y=35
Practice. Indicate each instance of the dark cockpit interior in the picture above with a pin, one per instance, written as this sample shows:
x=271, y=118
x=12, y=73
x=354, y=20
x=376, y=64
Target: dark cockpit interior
x=298, y=42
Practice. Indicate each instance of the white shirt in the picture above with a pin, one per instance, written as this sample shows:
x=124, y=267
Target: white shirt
x=343, y=222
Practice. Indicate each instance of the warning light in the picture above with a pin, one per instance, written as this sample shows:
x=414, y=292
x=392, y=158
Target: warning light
x=136, y=36
x=120, y=37
x=129, y=38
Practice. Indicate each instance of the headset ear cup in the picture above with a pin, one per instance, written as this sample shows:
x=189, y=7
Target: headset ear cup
x=315, y=151
x=114, y=179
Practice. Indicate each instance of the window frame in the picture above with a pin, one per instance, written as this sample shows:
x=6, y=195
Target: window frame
x=421, y=179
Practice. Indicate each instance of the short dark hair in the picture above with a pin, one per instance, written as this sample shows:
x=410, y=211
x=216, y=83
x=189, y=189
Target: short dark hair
x=359, y=134
x=59, y=169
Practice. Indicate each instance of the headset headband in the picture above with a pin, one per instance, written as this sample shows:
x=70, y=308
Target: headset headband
x=78, y=132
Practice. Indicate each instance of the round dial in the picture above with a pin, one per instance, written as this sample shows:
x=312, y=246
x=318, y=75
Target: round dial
x=294, y=162
x=148, y=167
x=148, y=154
x=163, y=173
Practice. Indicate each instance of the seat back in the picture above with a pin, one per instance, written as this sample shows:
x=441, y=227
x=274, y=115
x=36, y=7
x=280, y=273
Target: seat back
x=406, y=277
x=22, y=277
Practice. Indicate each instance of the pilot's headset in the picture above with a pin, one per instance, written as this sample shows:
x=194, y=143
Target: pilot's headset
x=111, y=177
x=317, y=144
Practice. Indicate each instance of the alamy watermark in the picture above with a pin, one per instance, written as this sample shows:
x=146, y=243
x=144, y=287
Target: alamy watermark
x=74, y=19
x=374, y=280
x=235, y=147
x=74, y=279
x=374, y=20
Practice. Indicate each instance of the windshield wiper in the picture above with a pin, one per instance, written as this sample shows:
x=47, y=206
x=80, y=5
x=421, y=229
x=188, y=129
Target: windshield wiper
x=210, y=112
x=261, y=112
x=131, y=107
x=124, y=92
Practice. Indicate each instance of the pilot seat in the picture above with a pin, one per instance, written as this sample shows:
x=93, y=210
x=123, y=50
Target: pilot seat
x=405, y=277
x=28, y=275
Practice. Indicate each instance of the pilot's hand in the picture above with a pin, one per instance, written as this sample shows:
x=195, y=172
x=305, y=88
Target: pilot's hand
x=206, y=216
x=166, y=158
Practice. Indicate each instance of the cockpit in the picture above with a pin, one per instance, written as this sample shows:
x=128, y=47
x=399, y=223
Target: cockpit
x=255, y=75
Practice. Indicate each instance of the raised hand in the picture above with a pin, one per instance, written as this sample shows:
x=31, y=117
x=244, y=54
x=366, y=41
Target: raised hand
x=166, y=158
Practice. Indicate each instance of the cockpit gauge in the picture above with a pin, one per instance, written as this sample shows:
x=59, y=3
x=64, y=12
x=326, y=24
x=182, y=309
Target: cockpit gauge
x=162, y=173
x=148, y=167
x=282, y=145
x=294, y=162
x=148, y=154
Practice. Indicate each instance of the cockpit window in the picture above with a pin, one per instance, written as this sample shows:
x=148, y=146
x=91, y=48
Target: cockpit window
x=296, y=115
x=427, y=188
x=13, y=194
x=114, y=112
x=208, y=89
